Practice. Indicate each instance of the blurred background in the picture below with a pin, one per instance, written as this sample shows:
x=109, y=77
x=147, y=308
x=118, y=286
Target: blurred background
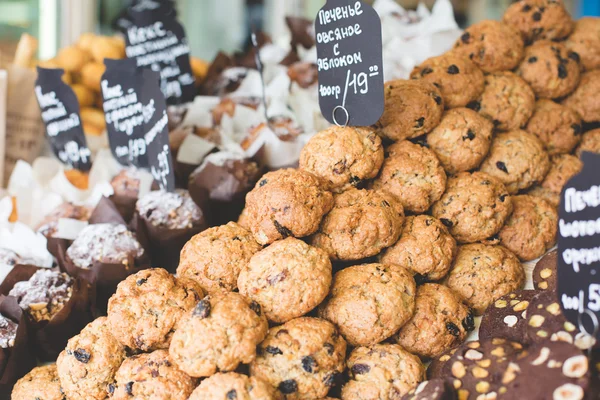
x=211, y=25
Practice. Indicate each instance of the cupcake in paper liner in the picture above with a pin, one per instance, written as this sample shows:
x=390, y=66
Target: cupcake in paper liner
x=128, y=185
x=224, y=178
x=56, y=305
x=164, y=222
x=16, y=356
x=102, y=254
x=189, y=146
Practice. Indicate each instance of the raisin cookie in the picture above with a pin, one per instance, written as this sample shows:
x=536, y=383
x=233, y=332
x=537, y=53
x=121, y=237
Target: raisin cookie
x=474, y=206
x=441, y=321
x=562, y=168
x=221, y=332
x=287, y=202
x=459, y=80
x=545, y=321
x=585, y=41
x=303, y=358
x=491, y=45
x=475, y=369
x=481, y=274
x=557, y=126
x=531, y=229
x=550, y=68
x=360, y=225
x=40, y=383
x=214, y=258
x=343, y=157
x=413, y=174
x=87, y=366
x=507, y=317
x=382, y=371
x=230, y=385
x=435, y=389
x=539, y=19
x=589, y=142
x=151, y=376
x=544, y=273
x=462, y=140
x=425, y=248
x=507, y=100
x=411, y=109
x=370, y=302
x=147, y=306
x=288, y=279
x=586, y=98
x=547, y=371
x=517, y=159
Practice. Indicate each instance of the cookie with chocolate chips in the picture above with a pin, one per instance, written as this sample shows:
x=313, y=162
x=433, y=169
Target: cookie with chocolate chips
x=462, y=140
x=412, y=109
x=586, y=98
x=585, y=41
x=539, y=19
x=302, y=359
x=476, y=368
x=544, y=273
x=557, y=126
x=40, y=383
x=545, y=321
x=562, y=168
x=491, y=45
x=382, y=371
x=459, y=80
x=233, y=386
x=549, y=370
x=550, y=68
x=507, y=317
x=589, y=142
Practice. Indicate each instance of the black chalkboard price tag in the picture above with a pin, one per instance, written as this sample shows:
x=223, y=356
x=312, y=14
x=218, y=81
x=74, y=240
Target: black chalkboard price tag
x=579, y=247
x=350, y=63
x=60, y=113
x=156, y=40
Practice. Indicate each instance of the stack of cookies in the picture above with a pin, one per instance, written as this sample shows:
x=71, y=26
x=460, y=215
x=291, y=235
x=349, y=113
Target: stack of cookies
x=344, y=277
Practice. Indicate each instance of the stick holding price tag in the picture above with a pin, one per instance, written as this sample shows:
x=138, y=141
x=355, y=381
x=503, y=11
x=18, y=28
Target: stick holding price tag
x=350, y=63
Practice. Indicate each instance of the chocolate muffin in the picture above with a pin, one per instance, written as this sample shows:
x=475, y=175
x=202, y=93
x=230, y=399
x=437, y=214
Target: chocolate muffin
x=49, y=226
x=8, y=332
x=171, y=210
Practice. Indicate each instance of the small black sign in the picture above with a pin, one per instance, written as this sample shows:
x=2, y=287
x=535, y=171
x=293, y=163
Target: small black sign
x=579, y=245
x=60, y=113
x=350, y=63
x=157, y=41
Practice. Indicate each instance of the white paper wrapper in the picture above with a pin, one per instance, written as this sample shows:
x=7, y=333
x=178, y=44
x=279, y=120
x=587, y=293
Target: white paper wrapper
x=69, y=228
x=193, y=149
x=29, y=245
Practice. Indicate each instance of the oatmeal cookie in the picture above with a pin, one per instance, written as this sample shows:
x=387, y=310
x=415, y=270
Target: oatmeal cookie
x=411, y=109
x=550, y=68
x=586, y=98
x=544, y=273
x=413, y=174
x=562, y=168
x=382, y=371
x=105, y=243
x=147, y=306
x=441, y=321
x=425, y=248
x=343, y=157
x=151, y=376
x=288, y=279
x=557, y=126
x=303, y=358
x=539, y=19
x=461, y=140
x=41, y=383
x=590, y=141
x=87, y=366
x=370, y=302
x=585, y=41
x=215, y=257
x=481, y=274
x=231, y=385
x=507, y=100
x=360, y=225
x=459, y=80
x=474, y=206
x=286, y=203
x=531, y=229
x=491, y=45
x=517, y=159
x=221, y=332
